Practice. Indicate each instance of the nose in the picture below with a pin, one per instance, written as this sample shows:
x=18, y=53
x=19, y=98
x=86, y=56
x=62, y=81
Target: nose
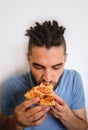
x=47, y=76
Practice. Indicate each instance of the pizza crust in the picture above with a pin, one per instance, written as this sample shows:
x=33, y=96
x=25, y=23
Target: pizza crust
x=44, y=92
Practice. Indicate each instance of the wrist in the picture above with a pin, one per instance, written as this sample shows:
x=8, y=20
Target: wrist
x=15, y=123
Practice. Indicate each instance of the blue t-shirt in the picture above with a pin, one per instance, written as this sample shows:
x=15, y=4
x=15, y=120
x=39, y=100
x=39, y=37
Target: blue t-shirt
x=70, y=88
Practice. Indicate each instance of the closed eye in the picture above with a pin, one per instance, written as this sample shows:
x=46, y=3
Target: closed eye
x=57, y=67
x=38, y=66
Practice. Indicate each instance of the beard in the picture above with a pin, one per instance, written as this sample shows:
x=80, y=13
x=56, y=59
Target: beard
x=54, y=83
x=33, y=78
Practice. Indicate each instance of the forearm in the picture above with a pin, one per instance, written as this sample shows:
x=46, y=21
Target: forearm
x=10, y=124
x=73, y=122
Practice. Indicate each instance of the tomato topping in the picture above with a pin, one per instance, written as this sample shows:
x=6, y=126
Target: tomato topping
x=44, y=90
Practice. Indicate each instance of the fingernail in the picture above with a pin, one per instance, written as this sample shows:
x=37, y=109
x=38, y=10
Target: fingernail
x=37, y=99
x=48, y=108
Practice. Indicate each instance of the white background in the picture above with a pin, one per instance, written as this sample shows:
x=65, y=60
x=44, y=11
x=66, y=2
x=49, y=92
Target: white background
x=18, y=15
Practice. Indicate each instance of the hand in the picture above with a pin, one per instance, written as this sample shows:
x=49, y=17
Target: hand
x=60, y=109
x=72, y=120
x=27, y=116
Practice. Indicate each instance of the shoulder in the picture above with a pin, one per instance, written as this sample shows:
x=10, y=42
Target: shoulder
x=18, y=77
x=74, y=89
x=71, y=74
x=71, y=71
x=74, y=78
x=17, y=80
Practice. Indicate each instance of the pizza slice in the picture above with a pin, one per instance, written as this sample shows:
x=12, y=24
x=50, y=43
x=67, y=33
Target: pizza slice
x=44, y=92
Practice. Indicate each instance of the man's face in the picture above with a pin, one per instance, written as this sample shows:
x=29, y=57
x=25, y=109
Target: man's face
x=47, y=65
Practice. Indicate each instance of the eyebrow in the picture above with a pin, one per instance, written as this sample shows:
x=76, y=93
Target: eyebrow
x=59, y=64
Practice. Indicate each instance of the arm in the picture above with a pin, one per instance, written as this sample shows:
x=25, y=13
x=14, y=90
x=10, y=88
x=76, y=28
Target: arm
x=25, y=116
x=8, y=123
x=72, y=120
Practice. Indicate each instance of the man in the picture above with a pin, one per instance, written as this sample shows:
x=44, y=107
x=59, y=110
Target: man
x=47, y=57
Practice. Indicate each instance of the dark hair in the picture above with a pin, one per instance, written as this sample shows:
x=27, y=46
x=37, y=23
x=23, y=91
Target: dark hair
x=47, y=34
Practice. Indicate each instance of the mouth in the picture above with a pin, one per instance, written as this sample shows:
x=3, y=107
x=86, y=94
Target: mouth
x=53, y=83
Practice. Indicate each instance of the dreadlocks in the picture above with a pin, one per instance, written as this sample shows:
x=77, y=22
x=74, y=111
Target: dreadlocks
x=46, y=34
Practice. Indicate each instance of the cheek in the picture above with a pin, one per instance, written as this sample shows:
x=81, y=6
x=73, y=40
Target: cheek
x=58, y=74
x=37, y=74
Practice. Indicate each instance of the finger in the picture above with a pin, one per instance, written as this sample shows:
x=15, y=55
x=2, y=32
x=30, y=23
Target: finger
x=36, y=109
x=38, y=122
x=59, y=100
x=39, y=114
x=54, y=110
x=54, y=114
x=58, y=107
x=26, y=104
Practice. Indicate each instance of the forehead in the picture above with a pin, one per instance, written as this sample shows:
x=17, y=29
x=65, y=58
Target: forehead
x=42, y=54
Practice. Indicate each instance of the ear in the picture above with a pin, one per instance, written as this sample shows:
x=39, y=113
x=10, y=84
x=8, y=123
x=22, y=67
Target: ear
x=66, y=55
x=28, y=57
